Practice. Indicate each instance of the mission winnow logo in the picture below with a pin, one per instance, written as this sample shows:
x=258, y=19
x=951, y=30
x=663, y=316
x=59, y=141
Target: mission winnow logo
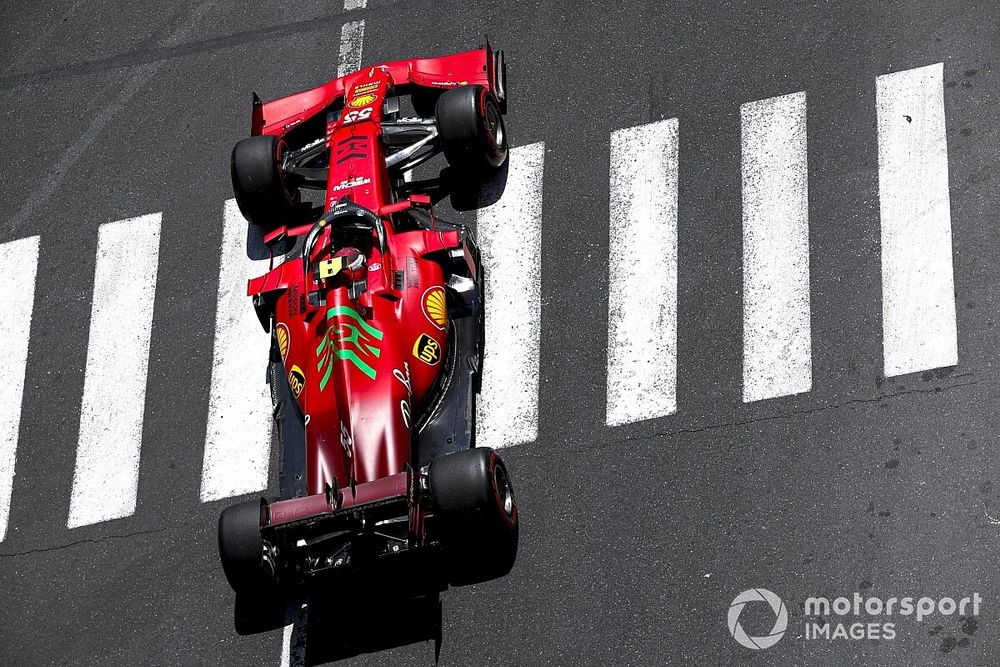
x=869, y=618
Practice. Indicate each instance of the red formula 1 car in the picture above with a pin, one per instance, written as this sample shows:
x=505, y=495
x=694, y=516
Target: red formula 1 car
x=376, y=317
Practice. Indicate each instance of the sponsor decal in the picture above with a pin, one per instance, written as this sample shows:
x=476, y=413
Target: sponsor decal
x=350, y=339
x=281, y=333
x=435, y=307
x=293, y=299
x=296, y=380
x=374, y=266
x=412, y=274
x=449, y=83
x=362, y=88
x=350, y=148
x=360, y=101
x=404, y=405
x=351, y=183
x=427, y=350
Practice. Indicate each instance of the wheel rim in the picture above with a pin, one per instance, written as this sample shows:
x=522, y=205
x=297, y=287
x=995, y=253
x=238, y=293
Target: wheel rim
x=292, y=194
x=505, y=492
x=494, y=124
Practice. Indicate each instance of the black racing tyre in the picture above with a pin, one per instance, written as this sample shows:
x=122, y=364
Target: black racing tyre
x=471, y=128
x=473, y=503
x=241, y=548
x=262, y=193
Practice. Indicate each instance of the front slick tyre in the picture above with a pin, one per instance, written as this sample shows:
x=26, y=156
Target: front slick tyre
x=471, y=129
x=264, y=196
x=473, y=500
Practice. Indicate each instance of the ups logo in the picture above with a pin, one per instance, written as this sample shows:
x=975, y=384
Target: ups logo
x=427, y=350
x=296, y=380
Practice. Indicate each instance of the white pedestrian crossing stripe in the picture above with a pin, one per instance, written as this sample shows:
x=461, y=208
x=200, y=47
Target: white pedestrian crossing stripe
x=18, y=265
x=114, y=388
x=510, y=237
x=352, y=35
x=777, y=348
x=920, y=331
x=238, y=433
x=918, y=283
x=642, y=274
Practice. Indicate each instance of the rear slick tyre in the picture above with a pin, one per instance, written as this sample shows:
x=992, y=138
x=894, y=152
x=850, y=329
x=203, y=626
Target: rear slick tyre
x=241, y=548
x=473, y=500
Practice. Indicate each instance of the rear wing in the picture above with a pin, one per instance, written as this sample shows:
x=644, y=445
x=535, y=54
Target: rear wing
x=483, y=67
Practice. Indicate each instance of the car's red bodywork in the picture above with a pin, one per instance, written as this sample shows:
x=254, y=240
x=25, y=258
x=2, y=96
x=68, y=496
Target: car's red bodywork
x=360, y=362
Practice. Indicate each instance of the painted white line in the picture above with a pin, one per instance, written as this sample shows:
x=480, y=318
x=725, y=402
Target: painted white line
x=18, y=266
x=918, y=282
x=355, y=4
x=777, y=343
x=238, y=436
x=642, y=274
x=352, y=37
x=114, y=387
x=293, y=639
x=286, y=645
x=510, y=237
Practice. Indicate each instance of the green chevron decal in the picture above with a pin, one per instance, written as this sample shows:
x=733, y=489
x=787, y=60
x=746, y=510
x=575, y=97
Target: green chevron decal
x=352, y=341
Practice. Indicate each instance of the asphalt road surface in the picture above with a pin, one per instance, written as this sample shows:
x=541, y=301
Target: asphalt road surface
x=860, y=457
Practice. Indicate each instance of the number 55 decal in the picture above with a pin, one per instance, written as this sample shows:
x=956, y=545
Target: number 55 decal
x=354, y=116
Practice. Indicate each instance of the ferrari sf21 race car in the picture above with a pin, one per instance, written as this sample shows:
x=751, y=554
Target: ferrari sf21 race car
x=375, y=310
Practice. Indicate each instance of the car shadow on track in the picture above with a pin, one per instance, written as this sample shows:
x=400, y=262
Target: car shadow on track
x=345, y=628
x=330, y=627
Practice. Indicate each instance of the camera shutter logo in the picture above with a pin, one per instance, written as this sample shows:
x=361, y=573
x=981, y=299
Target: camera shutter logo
x=780, y=621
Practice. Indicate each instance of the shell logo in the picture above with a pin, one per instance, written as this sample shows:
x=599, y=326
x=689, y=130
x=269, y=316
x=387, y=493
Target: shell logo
x=436, y=307
x=364, y=100
x=281, y=333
